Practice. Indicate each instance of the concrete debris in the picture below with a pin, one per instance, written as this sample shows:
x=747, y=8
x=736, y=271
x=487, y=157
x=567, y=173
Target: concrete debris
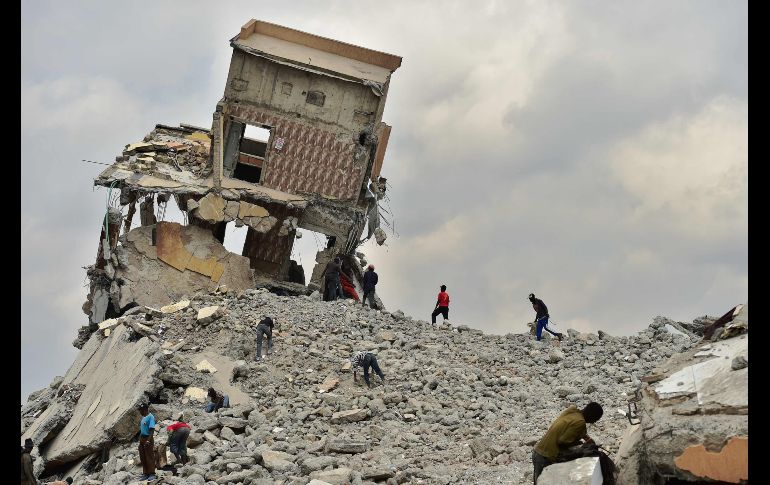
x=209, y=314
x=205, y=366
x=702, y=394
x=196, y=393
x=583, y=471
x=175, y=307
x=380, y=236
x=469, y=422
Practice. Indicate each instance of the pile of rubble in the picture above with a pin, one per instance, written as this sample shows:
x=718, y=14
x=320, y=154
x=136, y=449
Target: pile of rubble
x=457, y=406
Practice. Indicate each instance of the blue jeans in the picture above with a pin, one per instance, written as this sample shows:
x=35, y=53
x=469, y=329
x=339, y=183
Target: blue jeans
x=225, y=404
x=542, y=324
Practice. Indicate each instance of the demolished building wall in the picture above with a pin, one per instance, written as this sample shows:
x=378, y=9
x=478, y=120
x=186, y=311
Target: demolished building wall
x=692, y=418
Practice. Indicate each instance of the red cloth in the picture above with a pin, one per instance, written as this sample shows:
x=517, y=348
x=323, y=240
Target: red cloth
x=176, y=426
x=443, y=298
x=347, y=287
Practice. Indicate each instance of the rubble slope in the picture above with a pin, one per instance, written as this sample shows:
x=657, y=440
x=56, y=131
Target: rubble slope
x=457, y=406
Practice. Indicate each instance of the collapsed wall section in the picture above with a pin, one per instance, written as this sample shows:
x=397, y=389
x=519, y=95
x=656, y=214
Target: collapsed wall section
x=112, y=377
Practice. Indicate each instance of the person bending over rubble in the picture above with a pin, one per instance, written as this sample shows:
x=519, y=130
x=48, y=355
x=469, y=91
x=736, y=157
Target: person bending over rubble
x=365, y=360
x=177, y=438
x=146, y=443
x=442, y=305
x=567, y=430
x=541, y=317
x=265, y=327
x=27, y=473
x=217, y=401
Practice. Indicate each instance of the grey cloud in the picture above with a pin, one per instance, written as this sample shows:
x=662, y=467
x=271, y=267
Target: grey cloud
x=495, y=206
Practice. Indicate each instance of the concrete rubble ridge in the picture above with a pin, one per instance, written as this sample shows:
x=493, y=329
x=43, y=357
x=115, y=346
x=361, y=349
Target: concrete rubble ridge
x=457, y=407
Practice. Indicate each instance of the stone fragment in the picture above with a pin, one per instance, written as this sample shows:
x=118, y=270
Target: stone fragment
x=196, y=393
x=208, y=314
x=583, y=471
x=328, y=384
x=349, y=416
x=175, y=307
x=205, y=366
x=211, y=208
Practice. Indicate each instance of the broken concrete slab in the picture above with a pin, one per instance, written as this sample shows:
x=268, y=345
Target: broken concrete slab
x=211, y=208
x=713, y=381
x=117, y=374
x=196, y=393
x=208, y=314
x=583, y=471
x=175, y=307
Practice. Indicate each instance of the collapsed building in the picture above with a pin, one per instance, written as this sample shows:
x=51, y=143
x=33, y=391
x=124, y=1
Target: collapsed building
x=316, y=105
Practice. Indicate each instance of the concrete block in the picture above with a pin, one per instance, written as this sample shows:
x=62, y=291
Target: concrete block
x=583, y=471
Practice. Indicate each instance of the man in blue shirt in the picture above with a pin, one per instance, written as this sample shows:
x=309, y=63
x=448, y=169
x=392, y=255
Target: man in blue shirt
x=146, y=443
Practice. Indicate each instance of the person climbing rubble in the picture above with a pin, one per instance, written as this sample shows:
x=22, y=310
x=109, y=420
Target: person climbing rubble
x=177, y=438
x=27, y=473
x=442, y=305
x=265, y=327
x=565, y=431
x=147, y=443
x=217, y=401
x=370, y=282
x=364, y=360
x=541, y=317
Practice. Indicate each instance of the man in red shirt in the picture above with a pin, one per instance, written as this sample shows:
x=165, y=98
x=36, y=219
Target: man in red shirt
x=442, y=305
x=177, y=440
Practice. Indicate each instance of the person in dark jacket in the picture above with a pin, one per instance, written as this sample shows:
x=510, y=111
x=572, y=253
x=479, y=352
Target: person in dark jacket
x=265, y=327
x=332, y=288
x=370, y=281
x=27, y=473
x=541, y=317
x=364, y=360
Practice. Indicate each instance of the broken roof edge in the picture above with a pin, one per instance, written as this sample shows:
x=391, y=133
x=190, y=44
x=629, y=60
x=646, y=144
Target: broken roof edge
x=147, y=183
x=369, y=56
x=306, y=67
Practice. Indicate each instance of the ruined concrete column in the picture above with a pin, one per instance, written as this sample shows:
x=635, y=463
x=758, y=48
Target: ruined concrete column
x=114, y=218
x=147, y=211
x=216, y=147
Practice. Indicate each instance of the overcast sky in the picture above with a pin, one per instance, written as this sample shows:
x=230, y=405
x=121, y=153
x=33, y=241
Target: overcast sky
x=594, y=153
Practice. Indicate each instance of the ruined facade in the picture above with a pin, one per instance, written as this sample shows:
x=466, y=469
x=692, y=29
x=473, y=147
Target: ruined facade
x=315, y=163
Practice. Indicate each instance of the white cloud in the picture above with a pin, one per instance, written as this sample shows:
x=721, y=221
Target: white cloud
x=692, y=168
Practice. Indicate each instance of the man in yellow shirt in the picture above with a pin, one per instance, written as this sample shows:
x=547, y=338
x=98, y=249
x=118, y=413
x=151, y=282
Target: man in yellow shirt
x=566, y=430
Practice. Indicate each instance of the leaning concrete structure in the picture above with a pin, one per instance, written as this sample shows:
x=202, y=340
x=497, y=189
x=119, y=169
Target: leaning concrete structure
x=316, y=105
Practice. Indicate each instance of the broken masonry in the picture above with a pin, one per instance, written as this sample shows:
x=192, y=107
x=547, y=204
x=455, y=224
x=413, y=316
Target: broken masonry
x=314, y=159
